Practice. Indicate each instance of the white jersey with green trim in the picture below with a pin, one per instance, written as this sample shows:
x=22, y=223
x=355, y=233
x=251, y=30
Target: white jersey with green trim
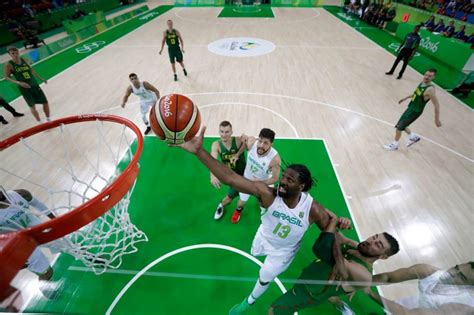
x=258, y=167
x=16, y=216
x=282, y=228
x=143, y=93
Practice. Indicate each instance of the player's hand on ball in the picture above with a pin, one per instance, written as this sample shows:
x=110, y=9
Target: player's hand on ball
x=438, y=123
x=215, y=182
x=344, y=223
x=195, y=144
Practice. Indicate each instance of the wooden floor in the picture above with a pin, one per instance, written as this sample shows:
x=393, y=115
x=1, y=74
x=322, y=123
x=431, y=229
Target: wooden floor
x=323, y=80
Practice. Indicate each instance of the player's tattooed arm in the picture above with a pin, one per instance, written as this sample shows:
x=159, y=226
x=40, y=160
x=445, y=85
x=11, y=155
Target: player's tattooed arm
x=275, y=166
x=225, y=174
x=150, y=87
x=128, y=92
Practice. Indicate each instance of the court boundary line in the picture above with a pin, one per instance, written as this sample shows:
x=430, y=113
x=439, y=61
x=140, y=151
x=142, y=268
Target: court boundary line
x=409, y=66
x=331, y=106
x=181, y=250
x=256, y=106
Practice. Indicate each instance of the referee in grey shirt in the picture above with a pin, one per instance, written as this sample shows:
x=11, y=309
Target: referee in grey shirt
x=406, y=51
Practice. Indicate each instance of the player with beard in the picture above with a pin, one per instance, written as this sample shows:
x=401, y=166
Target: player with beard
x=339, y=259
x=291, y=211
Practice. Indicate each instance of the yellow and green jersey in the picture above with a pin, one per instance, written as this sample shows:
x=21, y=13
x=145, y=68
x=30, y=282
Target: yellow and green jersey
x=418, y=102
x=172, y=40
x=227, y=154
x=22, y=72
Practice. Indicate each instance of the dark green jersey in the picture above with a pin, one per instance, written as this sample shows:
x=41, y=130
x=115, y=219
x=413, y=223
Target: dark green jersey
x=226, y=155
x=172, y=39
x=22, y=72
x=418, y=102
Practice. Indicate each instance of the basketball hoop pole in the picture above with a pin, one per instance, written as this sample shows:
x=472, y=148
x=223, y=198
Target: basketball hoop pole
x=16, y=247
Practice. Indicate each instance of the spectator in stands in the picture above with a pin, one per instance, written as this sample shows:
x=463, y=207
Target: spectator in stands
x=430, y=23
x=461, y=33
x=388, y=16
x=449, y=30
x=406, y=51
x=440, y=27
x=470, y=40
x=451, y=5
x=28, y=9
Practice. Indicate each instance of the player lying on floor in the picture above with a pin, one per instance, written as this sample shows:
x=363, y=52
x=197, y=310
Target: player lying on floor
x=343, y=266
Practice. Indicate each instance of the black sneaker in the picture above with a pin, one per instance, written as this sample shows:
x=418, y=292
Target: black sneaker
x=3, y=121
x=16, y=114
x=176, y=77
x=147, y=130
x=185, y=72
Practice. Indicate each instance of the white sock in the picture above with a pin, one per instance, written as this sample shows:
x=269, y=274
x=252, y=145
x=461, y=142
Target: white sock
x=48, y=119
x=395, y=143
x=413, y=136
x=257, y=292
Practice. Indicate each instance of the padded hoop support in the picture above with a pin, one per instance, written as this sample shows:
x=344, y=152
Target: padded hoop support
x=16, y=247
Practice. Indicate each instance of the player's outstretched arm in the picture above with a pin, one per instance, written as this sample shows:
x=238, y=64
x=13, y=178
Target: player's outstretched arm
x=405, y=98
x=215, y=153
x=128, y=92
x=225, y=174
x=418, y=271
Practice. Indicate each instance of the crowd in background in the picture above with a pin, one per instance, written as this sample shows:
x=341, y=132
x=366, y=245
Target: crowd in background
x=375, y=13
x=448, y=30
x=457, y=9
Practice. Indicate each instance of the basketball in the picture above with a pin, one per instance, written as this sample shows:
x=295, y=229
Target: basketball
x=175, y=119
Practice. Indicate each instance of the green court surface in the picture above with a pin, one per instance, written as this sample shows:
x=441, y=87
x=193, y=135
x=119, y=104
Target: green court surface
x=173, y=203
x=447, y=77
x=247, y=11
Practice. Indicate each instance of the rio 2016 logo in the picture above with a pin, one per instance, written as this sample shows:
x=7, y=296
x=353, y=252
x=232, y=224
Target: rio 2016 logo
x=427, y=44
x=88, y=47
x=166, y=107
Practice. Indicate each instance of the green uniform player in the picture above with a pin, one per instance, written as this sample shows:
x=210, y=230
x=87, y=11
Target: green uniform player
x=18, y=71
x=173, y=39
x=339, y=259
x=424, y=93
x=226, y=149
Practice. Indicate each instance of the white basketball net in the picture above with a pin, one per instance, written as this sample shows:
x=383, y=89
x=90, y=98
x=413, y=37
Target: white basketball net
x=63, y=168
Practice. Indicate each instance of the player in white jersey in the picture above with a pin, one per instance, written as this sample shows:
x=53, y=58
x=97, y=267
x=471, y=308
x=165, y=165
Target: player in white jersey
x=263, y=164
x=291, y=210
x=15, y=214
x=148, y=95
x=448, y=291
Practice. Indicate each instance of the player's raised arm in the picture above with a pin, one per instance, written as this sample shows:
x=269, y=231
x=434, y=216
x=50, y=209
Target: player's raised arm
x=225, y=174
x=150, y=87
x=215, y=153
x=128, y=92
